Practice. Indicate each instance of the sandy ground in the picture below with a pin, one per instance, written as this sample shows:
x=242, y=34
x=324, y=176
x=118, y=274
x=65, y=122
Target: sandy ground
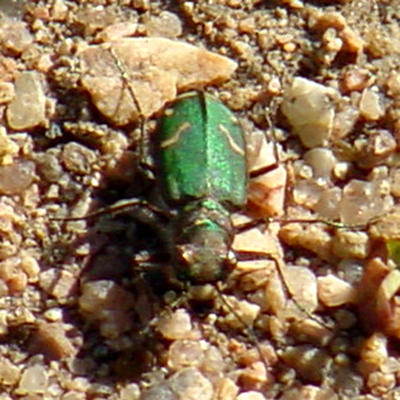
x=84, y=310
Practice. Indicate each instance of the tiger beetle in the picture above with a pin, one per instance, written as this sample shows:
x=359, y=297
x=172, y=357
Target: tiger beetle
x=202, y=176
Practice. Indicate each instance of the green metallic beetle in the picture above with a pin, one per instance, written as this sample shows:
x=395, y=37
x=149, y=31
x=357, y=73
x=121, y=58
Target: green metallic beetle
x=202, y=172
x=203, y=175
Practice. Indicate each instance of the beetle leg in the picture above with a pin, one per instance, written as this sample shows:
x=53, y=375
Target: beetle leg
x=154, y=213
x=254, y=255
x=254, y=223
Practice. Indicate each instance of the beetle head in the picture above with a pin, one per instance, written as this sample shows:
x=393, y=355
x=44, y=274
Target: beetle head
x=203, y=253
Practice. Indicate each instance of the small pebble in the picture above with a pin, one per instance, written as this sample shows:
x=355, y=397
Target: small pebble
x=312, y=331
x=310, y=392
x=388, y=226
x=9, y=373
x=251, y=395
x=247, y=311
x=213, y=364
x=190, y=384
x=3, y=319
x=226, y=389
x=51, y=340
x=309, y=108
x=159, y=392
x=334, y=292
x=393, y=84
x=6, y=92
x=130, y=392
x=175, y=326
x=27, y=109
x=374, y=350
x=53, y=314
x=59, y=284
x=59, y=10
x=8, y=69
x=355, y=79
x=322, y=162
x=302, y=284
x=108, y=305
x=72, y=395
x=349, y=244
x=345, y=121
x=328, y=203
x=78, y=158
x=361, y=201
x=254, y=376
x=166, y=25
x=321, y=21
x=8, y=148
x=380, y=383
x=31, y=267
x=49, y=166
x=117, y=31
x=14, y=35
x=17, y=177
x=267, y=191
x=92, y=19
x=310, y=363
x=12, y=274
x=371, y=105
x=185, y=353
x=253, y=240
x=34, y=379
x=395, y=182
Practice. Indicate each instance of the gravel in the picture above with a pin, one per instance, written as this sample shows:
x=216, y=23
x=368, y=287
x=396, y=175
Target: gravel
x=84, y=313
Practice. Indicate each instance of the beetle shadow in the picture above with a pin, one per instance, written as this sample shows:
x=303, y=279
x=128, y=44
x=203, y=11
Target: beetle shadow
x=113, y=299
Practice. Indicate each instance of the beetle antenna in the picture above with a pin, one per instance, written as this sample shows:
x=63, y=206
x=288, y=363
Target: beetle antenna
x=143, y=143
x=251, y=255
x=281, y=273
x=271, y=136
x=122, y=69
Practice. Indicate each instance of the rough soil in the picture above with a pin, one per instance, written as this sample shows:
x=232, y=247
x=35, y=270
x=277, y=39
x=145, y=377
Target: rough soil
x=84, y=313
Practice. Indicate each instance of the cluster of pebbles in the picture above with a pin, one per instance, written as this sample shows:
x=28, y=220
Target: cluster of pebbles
x=316, y=86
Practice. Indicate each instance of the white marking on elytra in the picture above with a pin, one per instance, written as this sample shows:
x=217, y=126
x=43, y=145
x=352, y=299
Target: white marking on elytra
x=174, y=139
x=234, y=146
x=169, y=112
x=234, y=120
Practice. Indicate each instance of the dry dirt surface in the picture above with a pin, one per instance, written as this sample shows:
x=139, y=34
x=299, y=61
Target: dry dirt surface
x=85, y=309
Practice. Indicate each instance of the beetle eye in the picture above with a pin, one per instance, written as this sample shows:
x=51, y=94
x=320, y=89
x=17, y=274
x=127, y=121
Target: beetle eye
x=186, y=253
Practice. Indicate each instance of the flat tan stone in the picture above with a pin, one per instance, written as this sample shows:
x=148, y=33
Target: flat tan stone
x=135, y=77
